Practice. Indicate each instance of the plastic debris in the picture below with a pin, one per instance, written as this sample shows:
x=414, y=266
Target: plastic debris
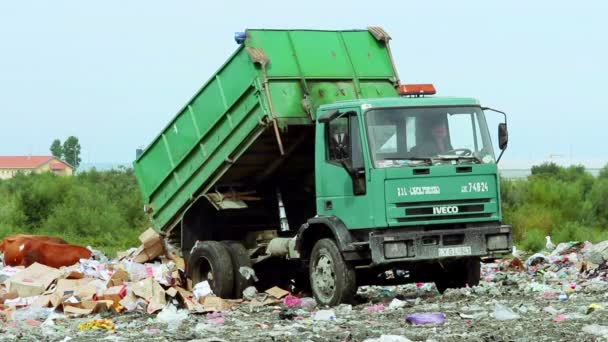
x=388, y=338
x=593, y=307
x=172, y=316
x=250, y=292
x=560, y=318
x=104, y=324
x=432, y=318
x=503, y=313
x=324, y=315
x=308, y=302
x=536, y=259
x=248, y=273
x=598, y=253
x=202, y=289
x=375, y=308
x=34, y=313
x=292, y=301
x=397, y=304
x=596, y=329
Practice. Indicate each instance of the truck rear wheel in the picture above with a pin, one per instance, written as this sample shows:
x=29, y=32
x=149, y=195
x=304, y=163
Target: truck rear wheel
x=240, y=258
x=211, y=261
x=333, y=281
x=458, y=274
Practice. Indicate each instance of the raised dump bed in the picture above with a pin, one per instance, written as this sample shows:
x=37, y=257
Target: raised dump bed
x=252, y=121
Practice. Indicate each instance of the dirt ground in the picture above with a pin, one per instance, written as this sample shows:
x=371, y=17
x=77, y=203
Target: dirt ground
x=539, y=309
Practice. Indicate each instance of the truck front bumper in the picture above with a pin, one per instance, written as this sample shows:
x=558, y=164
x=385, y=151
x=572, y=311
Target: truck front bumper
x=404, y=246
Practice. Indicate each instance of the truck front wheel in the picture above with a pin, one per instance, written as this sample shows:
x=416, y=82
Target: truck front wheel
x=332, y=280
x=210, y=261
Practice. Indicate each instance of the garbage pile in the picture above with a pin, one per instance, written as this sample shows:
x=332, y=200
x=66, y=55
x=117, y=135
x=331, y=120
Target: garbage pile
x=131, y=282
x=557, y=294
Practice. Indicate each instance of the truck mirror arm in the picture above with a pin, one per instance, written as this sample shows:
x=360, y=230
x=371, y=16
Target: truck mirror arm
x=503, y=134
x=357, y=176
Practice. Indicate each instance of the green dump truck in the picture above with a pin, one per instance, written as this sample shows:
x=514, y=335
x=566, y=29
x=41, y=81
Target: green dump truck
x=305, y=160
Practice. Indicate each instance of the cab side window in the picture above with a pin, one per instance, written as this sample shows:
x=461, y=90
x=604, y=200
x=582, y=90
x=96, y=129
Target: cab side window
x=344, y=141
x=338, y=139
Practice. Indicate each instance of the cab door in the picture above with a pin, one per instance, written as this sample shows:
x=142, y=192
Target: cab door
x=341, y=173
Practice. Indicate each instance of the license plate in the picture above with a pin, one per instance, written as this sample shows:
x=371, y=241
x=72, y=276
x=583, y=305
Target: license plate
x=454, y=251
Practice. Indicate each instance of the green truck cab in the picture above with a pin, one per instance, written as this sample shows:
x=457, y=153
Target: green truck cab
x=305, y=160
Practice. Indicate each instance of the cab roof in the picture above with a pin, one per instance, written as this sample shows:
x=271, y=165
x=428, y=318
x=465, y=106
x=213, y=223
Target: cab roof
x=404, y=101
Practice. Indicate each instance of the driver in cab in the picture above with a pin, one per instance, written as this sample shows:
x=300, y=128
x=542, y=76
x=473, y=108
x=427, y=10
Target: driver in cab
x=434, y=138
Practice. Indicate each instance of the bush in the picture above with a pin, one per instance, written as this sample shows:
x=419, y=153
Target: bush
x=533, y=241
x=99, y=209
x=565, y=203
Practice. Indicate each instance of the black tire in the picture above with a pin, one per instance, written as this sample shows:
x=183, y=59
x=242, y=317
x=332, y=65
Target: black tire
x=333, y=281
x=458, y=274
x=210, y=260
x=240, y=258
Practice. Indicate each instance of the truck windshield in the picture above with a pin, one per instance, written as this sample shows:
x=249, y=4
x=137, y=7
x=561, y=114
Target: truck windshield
x=428, y=135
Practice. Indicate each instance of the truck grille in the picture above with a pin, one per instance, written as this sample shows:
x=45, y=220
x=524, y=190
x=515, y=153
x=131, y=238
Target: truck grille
x=443, y=210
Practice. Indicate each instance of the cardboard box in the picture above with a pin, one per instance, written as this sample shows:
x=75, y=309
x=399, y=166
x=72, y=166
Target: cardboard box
x=213, y=304
x=76, y=311
x=43, y=301
x=277, y=292
x=64, y=285
x=118, y=278
x=97, y=305
x=8, y=295
x=115, y=293
x=29, y=281
x=171, y=292
x=151, y=246
x=149, y=237
x=186, y=298
x=129, y=300
x=144, y=254
x=147, y=289
x=27, y=288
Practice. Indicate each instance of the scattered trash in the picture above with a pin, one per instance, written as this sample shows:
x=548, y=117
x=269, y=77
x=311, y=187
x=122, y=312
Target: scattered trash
x=598, y=253
x=248, y=273
x=388, y=338
x=397, y=304
x=324, y=315
x=172, y=316
x=503, y=313
x=277, y=292
x=560, y=318
x=292, y=301
x=104, y=324
x=250, y=292
x=547, y=285
x=308, y=302
x=596, y=329
x=593, y=307
x=375, y=308
x=433, y=318
x=202, y=289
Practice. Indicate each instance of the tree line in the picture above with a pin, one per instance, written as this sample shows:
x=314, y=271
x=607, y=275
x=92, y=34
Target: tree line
x=69, y=151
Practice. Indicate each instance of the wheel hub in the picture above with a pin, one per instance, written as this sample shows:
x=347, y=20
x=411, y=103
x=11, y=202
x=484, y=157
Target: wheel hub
x=324, y=276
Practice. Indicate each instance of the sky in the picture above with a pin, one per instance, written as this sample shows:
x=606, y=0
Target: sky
x=113, y=72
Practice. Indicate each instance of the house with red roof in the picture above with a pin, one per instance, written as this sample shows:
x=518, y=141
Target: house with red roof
x=12, y=165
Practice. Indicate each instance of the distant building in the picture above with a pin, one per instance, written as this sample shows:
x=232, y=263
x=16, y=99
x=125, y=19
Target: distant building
x=12, y=165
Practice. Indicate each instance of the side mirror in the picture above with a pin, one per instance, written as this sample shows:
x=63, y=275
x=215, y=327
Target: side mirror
x=503, y=136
